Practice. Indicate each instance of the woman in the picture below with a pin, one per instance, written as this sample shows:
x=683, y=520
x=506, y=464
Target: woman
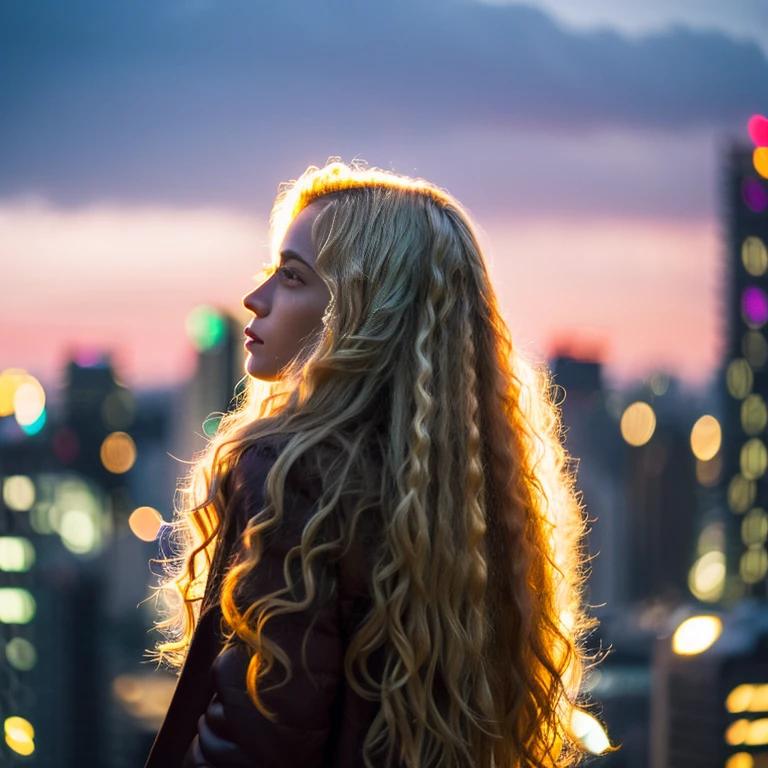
x=380, y=558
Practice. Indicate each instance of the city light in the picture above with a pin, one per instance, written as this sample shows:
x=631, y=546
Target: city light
x=754, y=527
x=696, y=635
x=589, y=731
x=10, y=379
x=706, y=437
x=21, y=654
x=740, y=760
x=739, y=378
x=16, y=554
x=118, y=452
x=17, y=606
x=748, y=698
x=753, y=459
x=753, y=195
x=754, y=347
x=118, y=410
x=760, y=161
x=757, y=733
x=28, y=401
x=638, y=423
x=19, y=735
x=754, y=306
x=737, y=731
x=145, y=522
x=18, y=493
x=757, y=128
x=707, y=577
x=754, y=564
x=754, y=414
x=36, y=425
x=206, y=327
x=754, y=256
x=741, y=493
x=78, y=531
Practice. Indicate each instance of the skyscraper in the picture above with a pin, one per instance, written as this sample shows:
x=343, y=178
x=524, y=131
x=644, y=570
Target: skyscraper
x=745, y=376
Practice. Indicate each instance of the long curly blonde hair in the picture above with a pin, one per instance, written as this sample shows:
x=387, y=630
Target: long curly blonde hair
x=476, y=580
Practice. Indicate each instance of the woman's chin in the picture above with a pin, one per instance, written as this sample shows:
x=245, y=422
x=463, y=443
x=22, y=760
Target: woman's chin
x=256, y=370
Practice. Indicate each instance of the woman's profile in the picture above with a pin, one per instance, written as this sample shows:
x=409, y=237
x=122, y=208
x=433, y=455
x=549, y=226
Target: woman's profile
x=379, y=556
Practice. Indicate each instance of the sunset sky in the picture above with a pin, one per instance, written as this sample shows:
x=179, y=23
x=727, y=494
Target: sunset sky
x=142, y=143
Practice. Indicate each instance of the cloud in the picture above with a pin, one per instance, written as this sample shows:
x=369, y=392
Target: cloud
x=197, y=102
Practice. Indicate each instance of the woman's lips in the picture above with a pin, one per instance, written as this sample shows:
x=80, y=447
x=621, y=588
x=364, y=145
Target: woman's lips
x=251, y=337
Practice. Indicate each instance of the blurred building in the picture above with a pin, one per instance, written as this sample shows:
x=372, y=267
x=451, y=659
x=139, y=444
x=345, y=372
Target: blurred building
x=744, y=377
x=710, y=692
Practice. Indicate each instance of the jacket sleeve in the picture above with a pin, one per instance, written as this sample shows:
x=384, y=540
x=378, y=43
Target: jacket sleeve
x=232, y=733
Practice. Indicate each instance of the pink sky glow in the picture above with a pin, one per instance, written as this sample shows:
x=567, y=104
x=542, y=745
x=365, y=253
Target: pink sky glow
x=123, y=279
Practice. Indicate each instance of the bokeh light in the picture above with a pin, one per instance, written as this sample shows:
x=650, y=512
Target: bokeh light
x=740, y=760
x=21, y=654
x=753, y=195
x=78, y=531
x=206, y=327
x=754, y=527
x=737, y=731
x=17, y=606
x=757, y=128
x=589, y=731
x=754, y=415
x=757, y=734
x=754, y=306
x=118, y=452
x=18, y=493
x=19, y=735
x=754, y=256
x=708, y=472
x=739, y=698
x=28, y=401
x=760, y=161
x=739, y=378
x=638, y=423
x=741, y=493
x=754, y=564
x=16, y=554
x=753, y=459
x=10, y=379
x=706, y=437
x=696, y=635
x=706, y=578
x=754, y=347
x=66, y=445
x=145, y=522
x=118, y=410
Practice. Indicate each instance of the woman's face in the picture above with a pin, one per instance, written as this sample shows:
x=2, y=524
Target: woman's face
x=288, y=306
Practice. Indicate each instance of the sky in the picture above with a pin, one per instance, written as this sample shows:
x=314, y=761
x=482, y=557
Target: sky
x=142, y=144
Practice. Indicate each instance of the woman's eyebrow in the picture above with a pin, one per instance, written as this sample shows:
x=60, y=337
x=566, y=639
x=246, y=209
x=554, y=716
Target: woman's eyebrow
x=288, y=254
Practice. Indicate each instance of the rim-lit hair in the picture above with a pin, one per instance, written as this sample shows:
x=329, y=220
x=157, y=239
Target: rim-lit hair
x=421, y=418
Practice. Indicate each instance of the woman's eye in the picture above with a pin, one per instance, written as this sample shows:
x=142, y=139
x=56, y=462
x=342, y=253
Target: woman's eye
x=289, y=275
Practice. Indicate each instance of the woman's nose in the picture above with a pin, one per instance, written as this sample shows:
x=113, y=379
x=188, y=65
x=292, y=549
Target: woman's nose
x=257, y=301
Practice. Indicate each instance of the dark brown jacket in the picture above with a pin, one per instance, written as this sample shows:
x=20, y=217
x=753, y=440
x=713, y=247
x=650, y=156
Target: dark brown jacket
x=320, y=720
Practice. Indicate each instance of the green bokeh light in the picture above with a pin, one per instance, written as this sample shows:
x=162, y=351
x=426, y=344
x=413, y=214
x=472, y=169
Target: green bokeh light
x=206, y=327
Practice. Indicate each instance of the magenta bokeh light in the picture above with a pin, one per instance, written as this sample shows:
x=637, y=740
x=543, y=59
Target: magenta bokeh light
x=754, y=195
x=754, y=306
x=757, y=127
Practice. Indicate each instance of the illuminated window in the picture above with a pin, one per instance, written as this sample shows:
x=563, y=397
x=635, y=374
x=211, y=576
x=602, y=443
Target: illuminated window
x=754, y=527
x=754, y=256
x=754, y=306
x=754, y=347
x=753, y=565
x=740, y=698
x=17, y=606
x=754, y=415
x=741, y=493
x=753, y=459
x=739, y=378
x=18, y=493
